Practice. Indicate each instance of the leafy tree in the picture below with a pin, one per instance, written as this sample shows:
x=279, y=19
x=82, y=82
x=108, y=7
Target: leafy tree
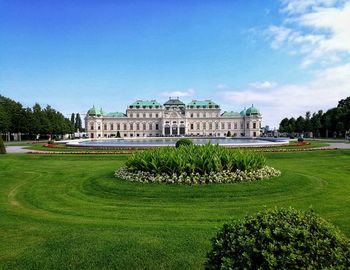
x=300, y=124
x=2, y=146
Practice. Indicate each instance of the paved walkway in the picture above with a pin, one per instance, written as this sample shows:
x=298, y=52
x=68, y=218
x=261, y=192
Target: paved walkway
x=12, y=149
x=338, y=145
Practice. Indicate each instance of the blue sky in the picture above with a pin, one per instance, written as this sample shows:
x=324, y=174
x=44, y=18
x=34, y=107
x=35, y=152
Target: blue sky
x=285, y=56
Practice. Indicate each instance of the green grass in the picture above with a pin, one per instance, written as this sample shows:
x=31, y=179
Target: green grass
x=68, y=212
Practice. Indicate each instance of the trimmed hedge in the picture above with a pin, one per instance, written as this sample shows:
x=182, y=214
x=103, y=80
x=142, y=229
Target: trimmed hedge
x=279, y=239
x=183, y=142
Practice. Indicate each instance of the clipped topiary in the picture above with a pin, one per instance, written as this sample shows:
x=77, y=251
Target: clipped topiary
x=300, y=139
x=279, y=239
x=2, y=146
x=183, y=142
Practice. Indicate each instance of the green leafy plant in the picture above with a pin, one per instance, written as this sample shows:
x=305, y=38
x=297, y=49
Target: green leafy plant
x=279, y=239
x=183, y=142
x=201, y=159
x=300, y=139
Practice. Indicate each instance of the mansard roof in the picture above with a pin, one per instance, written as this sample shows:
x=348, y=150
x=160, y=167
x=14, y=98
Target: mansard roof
x=145, y=103
x=230, y=114
x=174, y=102
x=202, y=104
x=115, y=114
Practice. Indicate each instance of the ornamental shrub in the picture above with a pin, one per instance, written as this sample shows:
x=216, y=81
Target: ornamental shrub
x=192, y=159
x=183, y=142
x=300, y=139
x=279, y=239
x=2, y=146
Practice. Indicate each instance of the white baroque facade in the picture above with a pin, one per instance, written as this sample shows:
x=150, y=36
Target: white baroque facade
x=148, y=118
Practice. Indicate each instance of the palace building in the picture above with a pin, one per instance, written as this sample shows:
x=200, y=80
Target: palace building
x=148, y=118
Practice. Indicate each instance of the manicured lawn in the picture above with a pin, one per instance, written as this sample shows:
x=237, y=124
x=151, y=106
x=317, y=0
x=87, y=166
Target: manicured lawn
x=69, y=212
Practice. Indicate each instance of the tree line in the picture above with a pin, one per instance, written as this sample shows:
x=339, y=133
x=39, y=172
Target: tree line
x=333, y=123
x=29, y=122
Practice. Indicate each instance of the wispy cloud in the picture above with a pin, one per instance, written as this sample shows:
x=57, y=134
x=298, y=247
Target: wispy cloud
x=187, y=93
x=263, y=85
x=322, y=92
x=316, y=29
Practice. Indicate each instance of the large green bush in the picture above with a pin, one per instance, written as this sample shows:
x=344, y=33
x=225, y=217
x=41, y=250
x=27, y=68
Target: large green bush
x=183, y=142
x=279, y=239
x=192, y=159
x=2, y=146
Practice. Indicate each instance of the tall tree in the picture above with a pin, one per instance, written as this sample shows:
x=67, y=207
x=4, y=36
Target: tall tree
x=78, y=125
x=72, y=119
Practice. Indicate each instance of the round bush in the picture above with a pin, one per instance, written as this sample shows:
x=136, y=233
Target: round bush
x=183, y=142
x=300, y=139
x=279, y=239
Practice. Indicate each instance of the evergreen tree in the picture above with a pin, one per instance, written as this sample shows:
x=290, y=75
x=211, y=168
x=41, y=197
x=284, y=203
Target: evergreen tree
x=228, y=134
x=72, y=119
x=78, y=125
x=118, y=134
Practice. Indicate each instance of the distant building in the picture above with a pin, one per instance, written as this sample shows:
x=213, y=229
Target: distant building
x=148, y=118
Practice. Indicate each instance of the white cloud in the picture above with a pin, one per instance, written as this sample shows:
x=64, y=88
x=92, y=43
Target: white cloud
x=317, y=29
x=323, y=92
x=263, y=85
x=187, y=93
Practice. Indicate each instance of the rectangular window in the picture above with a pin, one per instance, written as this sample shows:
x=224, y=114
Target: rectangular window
x=216, y=125
x=157, y=126
x=99, y=127
x=92, y=127
x=222, y=125
x=254, y=125
x=137, y=115
x=235, y=125
x=156, y=115
x=191, y=115
x=144, y=126
x=191, y=126
x=137, y=126
x=112, y=127
x=210, y=125
x=144, y=115
x=241, y=125
x=247, y=125
x=118, y=126
x=198, y=126
x=131, y=114
x=105, y=126
x=204, y=125
x=131, y=126
x=229, y=126
x=125, y=127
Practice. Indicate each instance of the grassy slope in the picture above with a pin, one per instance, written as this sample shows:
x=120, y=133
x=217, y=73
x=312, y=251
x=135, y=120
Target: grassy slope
x=68, y=212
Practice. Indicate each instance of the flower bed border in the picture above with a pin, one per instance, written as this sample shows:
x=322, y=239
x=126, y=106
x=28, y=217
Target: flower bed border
x=224, y=177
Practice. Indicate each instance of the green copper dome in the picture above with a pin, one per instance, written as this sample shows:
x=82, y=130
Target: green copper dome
x=93, y=112
x=174, y=103
x=243, y=113
x=252, y=111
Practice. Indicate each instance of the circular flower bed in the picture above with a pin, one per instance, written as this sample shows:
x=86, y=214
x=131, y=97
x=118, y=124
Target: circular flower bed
x=194, y=164
x=195, y=178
